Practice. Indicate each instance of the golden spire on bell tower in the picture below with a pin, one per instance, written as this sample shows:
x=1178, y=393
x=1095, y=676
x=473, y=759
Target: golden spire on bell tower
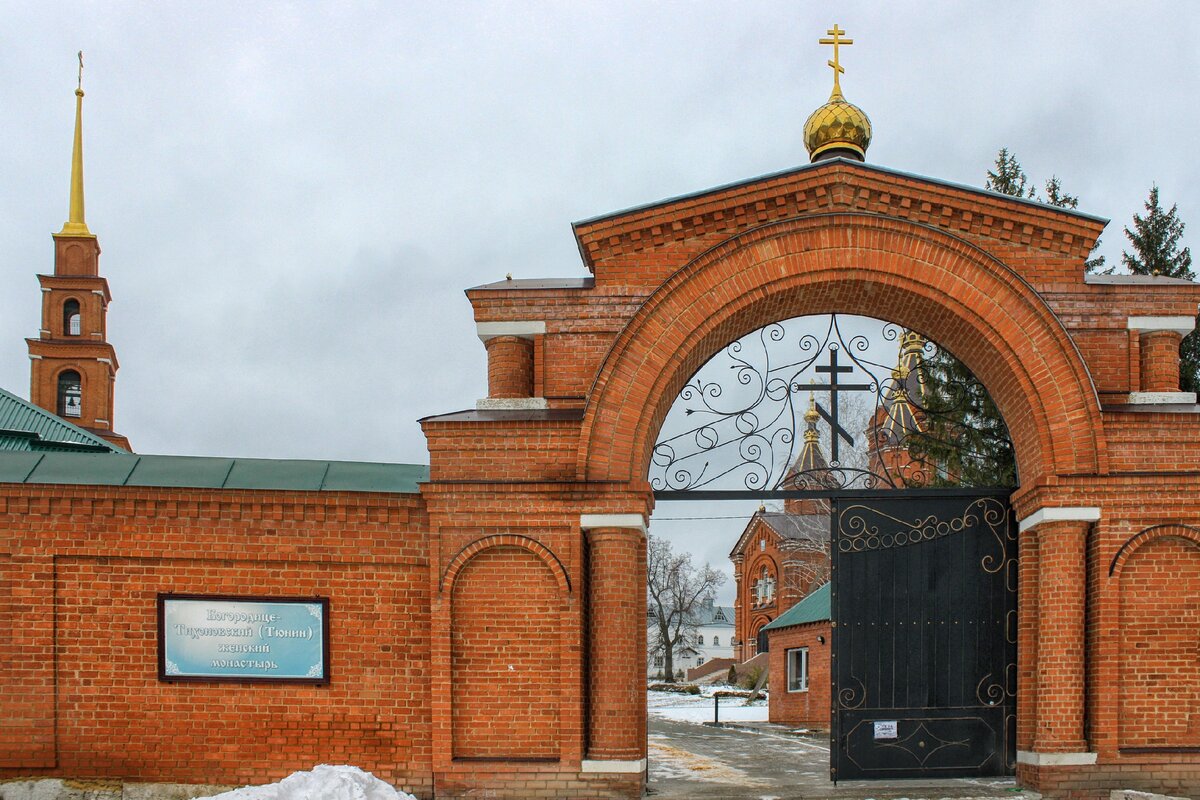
x=75, y=225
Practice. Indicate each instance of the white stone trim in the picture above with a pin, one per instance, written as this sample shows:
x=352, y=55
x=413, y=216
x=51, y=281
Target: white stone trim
x=97, y=292
x=632, y=521
x=45, y=290
x=1055, y=759
x=524, y=329
x=104, y=360
x=32, y=357
x=622, y=767
x=1059, y=514
x=1183, y=325
x=511, y=404
x=1161, y=398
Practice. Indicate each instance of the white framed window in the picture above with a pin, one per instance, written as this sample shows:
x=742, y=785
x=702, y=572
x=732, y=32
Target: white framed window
x=797, y=669
x=658, y=661
x=716, y=641
x=700, y=641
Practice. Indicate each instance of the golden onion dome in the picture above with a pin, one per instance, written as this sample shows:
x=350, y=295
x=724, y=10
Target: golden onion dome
x=837, y=125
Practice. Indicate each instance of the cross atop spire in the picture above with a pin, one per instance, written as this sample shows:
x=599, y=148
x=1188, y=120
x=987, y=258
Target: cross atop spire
x=835, y=39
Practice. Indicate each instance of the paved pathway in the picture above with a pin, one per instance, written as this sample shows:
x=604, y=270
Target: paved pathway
x=707, y=763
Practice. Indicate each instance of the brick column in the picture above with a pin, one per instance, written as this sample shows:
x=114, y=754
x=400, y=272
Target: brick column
x=1159, y=360
x=1061, y=586
x=510, y=366
x=616, y=642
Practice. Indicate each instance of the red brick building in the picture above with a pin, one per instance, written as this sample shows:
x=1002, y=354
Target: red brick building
x=533, y=513
x=799, y=662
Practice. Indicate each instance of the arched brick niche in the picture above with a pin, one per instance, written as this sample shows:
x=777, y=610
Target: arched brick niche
x=1159, y=691
x=507, y=605
x=910, y=274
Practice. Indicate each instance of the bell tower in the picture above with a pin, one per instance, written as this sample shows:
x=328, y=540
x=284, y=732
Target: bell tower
x=73, y=368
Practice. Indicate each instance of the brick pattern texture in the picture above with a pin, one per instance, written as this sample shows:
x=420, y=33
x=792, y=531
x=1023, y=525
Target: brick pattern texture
x=504, y=650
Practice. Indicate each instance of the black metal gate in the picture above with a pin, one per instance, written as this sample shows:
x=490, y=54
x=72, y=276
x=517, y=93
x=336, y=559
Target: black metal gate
x=924, y=639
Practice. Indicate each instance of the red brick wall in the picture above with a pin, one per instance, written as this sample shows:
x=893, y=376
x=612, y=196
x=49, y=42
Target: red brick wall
x=1159, y=691
x=808, y=709
x=506, y=614
x=79, y=692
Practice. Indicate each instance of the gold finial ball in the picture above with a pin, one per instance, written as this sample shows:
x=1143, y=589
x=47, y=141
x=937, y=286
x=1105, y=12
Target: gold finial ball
x=837, y=126
x=811, y=416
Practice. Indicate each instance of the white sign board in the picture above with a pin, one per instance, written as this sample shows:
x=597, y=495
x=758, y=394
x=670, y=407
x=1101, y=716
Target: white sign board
x=885, y=729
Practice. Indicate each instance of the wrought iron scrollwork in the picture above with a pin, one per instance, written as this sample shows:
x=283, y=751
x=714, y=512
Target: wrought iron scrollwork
x=748, y=419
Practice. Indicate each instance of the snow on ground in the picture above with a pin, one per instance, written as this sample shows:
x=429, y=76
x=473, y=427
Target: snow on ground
x=323, y=783
x=698, y=708
x=672, y=762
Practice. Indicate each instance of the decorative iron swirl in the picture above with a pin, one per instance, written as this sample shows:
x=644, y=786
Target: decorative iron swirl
x=989, y=694
x=862, y=528
x=738, y=423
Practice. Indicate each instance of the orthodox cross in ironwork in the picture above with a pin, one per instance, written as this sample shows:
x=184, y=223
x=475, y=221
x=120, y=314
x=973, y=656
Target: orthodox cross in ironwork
x=836, y=40
x=833, y=370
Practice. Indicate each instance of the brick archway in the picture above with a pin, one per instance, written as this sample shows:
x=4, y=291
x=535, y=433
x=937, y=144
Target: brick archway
x=910, y=274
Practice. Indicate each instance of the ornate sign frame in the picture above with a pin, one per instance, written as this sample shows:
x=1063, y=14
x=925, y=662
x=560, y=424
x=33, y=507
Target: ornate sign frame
x=169, y=670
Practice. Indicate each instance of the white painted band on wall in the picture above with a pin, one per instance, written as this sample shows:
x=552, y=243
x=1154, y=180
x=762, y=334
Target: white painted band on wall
x=1184, y=325
x=1055, y=759
x=622, y=767
x=1059, y=514
x=1162, y=398
x=32, y=357
x=524, y=329
x=511, y=404
x=633, y=521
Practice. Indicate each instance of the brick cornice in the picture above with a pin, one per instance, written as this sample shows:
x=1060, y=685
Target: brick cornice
x=832, y=187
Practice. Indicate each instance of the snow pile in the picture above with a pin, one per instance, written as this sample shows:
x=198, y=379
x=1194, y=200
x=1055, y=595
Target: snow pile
x=323, y=783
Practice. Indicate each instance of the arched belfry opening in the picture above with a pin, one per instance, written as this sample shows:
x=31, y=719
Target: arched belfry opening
x=883, y=468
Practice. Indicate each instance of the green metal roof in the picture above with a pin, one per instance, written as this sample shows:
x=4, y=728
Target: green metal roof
x=26, y=428
x=198, y=472
x=814, y=608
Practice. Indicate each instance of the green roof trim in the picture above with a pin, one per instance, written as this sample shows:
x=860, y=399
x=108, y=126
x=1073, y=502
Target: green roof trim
x=199, y=472
x=25, y=428
x=814, y=608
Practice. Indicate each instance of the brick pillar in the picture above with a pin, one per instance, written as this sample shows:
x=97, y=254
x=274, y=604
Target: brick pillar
x=1061, y=606
x=616, y=643
x=1027, y=639
x=510, y=367
x=1160, y=360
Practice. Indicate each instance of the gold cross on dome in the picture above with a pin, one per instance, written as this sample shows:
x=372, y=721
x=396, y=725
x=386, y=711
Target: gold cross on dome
x=835, y=34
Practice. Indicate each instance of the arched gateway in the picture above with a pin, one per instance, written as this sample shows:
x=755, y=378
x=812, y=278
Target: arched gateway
x=582, y=374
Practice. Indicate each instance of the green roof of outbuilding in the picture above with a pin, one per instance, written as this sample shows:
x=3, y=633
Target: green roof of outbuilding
x=814, y=608
x=25, y=428
x=198, y=472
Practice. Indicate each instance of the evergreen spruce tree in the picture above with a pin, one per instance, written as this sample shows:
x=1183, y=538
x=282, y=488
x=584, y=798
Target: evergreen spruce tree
x=1155, y=240
x=1008, y=177
x=964, y=441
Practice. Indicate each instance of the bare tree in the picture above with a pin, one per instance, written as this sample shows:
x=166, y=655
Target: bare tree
x=675, y=592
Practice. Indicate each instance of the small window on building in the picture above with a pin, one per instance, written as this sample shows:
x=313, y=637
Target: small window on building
x=700, y=641
x=797, y=669
x=71, y=323
x=716, y=641
x=70, y=394
x=762, y=545
x=658, y=661
x=699, y=660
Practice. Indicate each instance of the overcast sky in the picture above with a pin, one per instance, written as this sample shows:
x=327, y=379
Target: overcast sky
x=291, y=197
